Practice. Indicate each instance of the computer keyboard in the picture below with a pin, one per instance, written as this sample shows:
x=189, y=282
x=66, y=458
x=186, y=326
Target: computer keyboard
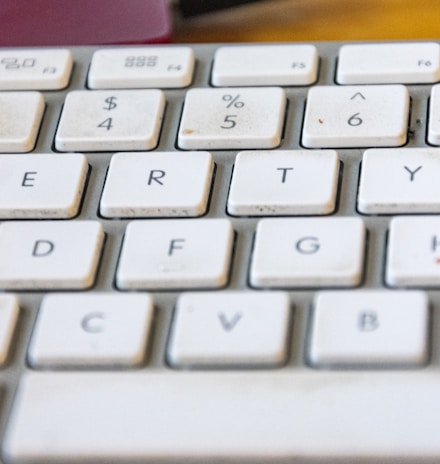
x=220, y=254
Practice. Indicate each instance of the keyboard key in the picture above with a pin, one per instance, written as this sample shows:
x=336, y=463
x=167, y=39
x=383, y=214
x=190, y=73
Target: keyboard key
x=253, y=65
x=41, y=186
x=295, y=182
x=308, y=414
x=308, y=252
x=86, y=330
x=161, y=184
x=215, y=119
x=8, y=319
x=389, y=63
x=49, y=255
x=369, y=328
x=175, y=254
x=101, y=120
x=414, y=187
x=141, y=67
x=434, y=116
x=20, y=120
x=35, y=69
x=375, y=116
x=230, y=329
x=413, y=257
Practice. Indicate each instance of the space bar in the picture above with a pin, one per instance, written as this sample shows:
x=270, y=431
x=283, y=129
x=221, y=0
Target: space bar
x=185, y=417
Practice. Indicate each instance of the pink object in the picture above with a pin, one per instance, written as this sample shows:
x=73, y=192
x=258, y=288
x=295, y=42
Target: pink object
x=83, y=22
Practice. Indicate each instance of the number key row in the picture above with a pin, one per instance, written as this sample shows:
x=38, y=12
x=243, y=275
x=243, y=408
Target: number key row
x=215, y=119
x=239, y=118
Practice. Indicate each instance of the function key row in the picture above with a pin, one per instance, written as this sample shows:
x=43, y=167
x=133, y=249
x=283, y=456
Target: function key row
x=294, y=65
x=247, y=65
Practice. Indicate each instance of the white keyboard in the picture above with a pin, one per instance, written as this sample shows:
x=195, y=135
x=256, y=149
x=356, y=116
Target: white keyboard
x=220, y=254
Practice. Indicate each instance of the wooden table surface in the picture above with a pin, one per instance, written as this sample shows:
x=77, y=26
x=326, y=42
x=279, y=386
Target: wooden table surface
x=314, y=20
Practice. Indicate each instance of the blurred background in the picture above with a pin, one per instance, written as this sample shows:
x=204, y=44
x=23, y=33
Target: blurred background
x=67, y=22
x=310, y=20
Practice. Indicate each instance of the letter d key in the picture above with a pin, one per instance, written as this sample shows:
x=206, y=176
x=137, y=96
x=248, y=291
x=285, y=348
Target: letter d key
x=49, y=254
x=43, y=248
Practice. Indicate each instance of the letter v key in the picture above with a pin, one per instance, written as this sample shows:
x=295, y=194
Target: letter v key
x=230, y=329
x=229, y=323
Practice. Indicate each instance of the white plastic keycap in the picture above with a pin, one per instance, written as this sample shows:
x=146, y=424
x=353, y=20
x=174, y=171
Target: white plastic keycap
x=312, y=416
x=295, y=182
x=414, y=187
x=49, y=254
x=181, y=253
x=413, y=255
x=369, y=328
x=35, y=69
x=230, y=329
x=305, y=252
x=103, y=120
x=232, y=118
x=161, y=184
x=356, y=116
x=389, y=63
x=141, y=67
x=20, y=118
x=253, y=65
x=91, y=330
x=434, y=116
x=41, y=186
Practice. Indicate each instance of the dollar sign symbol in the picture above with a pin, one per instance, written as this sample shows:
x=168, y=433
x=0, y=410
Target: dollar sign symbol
x=111, y=105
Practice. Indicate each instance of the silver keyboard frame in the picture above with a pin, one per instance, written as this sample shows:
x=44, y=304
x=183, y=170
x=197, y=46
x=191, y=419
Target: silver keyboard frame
x=244, y=226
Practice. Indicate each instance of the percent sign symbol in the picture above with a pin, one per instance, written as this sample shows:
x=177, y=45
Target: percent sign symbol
x=233, y=100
